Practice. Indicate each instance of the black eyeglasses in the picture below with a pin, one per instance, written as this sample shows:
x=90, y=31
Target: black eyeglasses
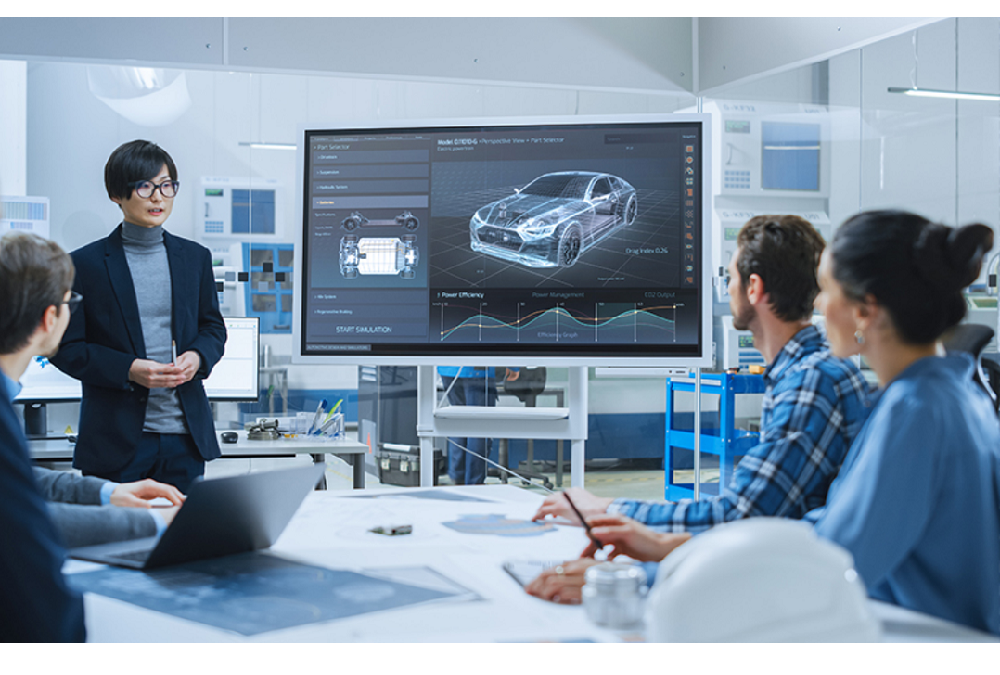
x=74, y=301
x=145, y=188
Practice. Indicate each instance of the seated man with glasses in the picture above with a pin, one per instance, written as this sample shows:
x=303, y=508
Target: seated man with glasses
x=147, y=295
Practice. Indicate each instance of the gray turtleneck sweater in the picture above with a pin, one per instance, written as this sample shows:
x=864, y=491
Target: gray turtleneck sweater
x=147, y=261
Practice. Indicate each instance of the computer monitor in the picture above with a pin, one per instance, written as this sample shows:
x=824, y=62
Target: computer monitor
x=44, y=383
x=532, y=241
x=236, y=377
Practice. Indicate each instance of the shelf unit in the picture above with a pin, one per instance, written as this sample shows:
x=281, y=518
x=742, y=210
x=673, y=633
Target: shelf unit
x=719, y=435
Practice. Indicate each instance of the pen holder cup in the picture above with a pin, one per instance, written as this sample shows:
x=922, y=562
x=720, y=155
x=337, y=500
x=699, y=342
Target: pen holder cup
x=329, y=428
x=300, y=425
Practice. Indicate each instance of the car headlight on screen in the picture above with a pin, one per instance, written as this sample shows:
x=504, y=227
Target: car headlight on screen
x=536, y=229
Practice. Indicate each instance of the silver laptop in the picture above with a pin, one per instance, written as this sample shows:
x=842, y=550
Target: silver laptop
x=221, y=516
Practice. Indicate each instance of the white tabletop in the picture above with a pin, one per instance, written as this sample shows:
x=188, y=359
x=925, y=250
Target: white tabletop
x=330, y=530
x=303, y=445
x=62, y=449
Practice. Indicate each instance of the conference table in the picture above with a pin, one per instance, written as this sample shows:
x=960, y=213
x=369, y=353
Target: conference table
x=331, y=531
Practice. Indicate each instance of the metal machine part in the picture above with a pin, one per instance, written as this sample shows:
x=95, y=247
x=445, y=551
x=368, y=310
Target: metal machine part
x=262, y=430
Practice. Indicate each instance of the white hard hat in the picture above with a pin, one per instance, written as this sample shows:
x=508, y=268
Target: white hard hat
x=759, y=580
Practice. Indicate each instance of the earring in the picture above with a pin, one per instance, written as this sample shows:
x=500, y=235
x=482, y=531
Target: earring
x=859, y=337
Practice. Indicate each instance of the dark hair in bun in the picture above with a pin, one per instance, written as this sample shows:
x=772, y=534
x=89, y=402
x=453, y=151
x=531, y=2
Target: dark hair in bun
x=916, y=269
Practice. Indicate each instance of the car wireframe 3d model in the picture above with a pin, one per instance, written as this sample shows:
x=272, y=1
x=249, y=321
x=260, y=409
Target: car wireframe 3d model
x=405, y=219
x=385, y=256
x=552, y=220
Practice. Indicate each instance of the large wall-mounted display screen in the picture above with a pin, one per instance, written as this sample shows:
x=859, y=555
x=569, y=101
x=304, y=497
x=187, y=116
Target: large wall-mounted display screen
x=579, y=242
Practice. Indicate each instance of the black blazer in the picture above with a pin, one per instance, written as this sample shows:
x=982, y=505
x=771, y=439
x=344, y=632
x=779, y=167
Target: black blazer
x=37, y=603
x=104, y=337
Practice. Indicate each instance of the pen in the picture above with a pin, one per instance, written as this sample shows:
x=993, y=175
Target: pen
x=173, y=351
x=337, y=406
x=332, y=411
x=317, y=417
x=326, y=425
x=579, y=515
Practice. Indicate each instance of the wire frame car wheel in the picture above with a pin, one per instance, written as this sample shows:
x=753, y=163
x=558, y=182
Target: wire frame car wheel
x=630, y=211
x=569, y=246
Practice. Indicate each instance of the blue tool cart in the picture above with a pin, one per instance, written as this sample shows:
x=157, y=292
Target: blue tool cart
x=719, y=436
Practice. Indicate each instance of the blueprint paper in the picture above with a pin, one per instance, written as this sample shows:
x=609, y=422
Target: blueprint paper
x=254, y=593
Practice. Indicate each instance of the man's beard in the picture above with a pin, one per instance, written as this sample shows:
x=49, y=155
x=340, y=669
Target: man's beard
x=744, y=316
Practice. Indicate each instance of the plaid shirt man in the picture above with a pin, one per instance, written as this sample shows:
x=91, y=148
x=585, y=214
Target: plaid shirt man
x=814, y=405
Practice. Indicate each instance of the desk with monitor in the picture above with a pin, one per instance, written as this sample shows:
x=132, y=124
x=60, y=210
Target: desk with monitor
x=330, y=530
x=236, y=377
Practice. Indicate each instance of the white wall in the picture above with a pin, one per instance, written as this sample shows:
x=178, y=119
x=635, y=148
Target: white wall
x=13, y=123
x=978, y=123
x=732, y=49
x=940, y=158
x=844, y=76
x=908, y=144
x=70, y=132
x=158, y=40
x=936, y=157
x=647, y=54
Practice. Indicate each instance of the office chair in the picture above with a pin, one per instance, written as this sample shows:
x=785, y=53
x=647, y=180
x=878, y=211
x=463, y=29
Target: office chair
x=529, y=384
x=971, y=339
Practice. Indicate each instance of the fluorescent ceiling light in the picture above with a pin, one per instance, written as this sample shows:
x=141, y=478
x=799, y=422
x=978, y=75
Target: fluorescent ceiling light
x=147, y=78
x=940, y=93
x=268, y=146
x=149, y=97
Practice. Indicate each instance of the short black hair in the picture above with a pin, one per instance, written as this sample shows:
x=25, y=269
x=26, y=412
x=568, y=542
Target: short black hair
x=134, y=161
x=783, y=251
x=914, y=268
x=35, y=273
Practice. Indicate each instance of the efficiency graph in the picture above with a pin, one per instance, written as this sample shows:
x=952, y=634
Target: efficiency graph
x=570, y=322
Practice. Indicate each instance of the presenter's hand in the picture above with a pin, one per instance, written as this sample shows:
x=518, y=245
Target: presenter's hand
x=631, y=538
x=556, y=505
x=512, y=374
x=140, y=493
x=189, y=362
x=153, y=375
x=562, y=583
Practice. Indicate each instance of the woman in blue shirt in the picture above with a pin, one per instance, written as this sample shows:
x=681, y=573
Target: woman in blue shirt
x=917, y=502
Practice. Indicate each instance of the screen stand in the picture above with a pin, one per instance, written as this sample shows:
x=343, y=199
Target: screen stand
x=697, y=436
x=35, y=422
x=502, y=422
